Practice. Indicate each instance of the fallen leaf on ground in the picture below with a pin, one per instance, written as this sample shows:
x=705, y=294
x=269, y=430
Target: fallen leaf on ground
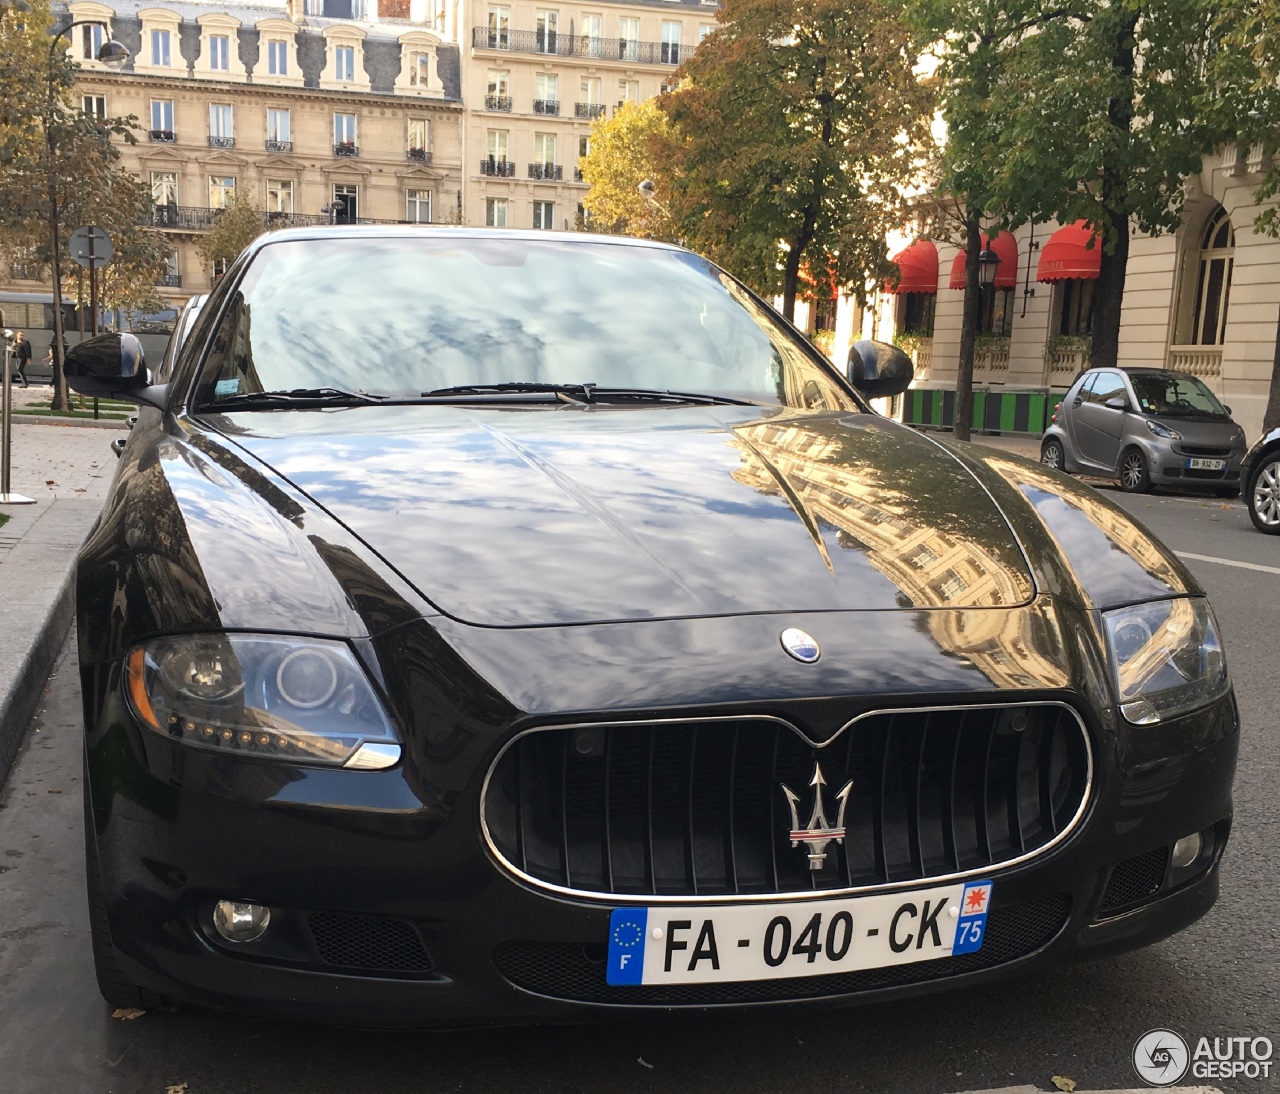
x=1063, y=1083
x=55, y=791
x=176, y=1088
x=50, y=482
x=126, y=1013
x=644, y=1063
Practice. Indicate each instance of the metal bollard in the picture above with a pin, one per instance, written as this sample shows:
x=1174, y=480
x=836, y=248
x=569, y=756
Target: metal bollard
x=7, y=497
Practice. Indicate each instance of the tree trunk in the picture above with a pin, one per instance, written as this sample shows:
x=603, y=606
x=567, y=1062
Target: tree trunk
x=1271, y=417
x=790, y=281
x=968, y=330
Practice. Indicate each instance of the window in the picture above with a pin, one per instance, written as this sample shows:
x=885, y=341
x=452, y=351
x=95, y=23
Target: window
x=417, y=134
x=344, y=63
x=997, y=310
x=629, y=39
x=544, y=214
x=95, y=106
x=417, y=206
x=499, y=27
x=546, y=93
x=162, y=116
x=545, y=35
x=164, y=188
x=418, y=70
x=220, y=121
x=278, y=58
x=498, y=144
x=584, y=147
x=589, y=90
x=160, y=47
x=703, y=31
x=279, y=195
x=1104, y=386
x=346, y=198
x=592, y=41
x=670, y=43
x=544, y=148
x=917, y=313
x=1074, y=306
x=222, y=188
x=95, y=34
x=628, y=91
x=278, y=125
x=499, y=82
x=495, y=212
x=344, y=129
x=219, y=53
x=1213, y=282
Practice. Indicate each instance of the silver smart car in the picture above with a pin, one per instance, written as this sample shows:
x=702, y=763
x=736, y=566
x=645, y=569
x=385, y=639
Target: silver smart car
x=1146, y=427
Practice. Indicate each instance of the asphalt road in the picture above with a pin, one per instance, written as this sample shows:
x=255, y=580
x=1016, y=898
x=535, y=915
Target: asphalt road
x=1221, y=977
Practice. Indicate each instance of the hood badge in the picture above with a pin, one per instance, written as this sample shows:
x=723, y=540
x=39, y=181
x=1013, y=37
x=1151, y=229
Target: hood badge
x=818, y=832
x=801, y=645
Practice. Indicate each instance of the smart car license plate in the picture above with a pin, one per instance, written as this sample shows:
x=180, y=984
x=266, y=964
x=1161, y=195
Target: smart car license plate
x=1198, y=464
x=705, y=943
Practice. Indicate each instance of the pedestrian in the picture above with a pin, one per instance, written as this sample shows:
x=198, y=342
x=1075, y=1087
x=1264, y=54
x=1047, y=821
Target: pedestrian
x=21, y=355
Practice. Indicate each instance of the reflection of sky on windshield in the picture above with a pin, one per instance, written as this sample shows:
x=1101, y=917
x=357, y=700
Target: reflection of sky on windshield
x=409, y=315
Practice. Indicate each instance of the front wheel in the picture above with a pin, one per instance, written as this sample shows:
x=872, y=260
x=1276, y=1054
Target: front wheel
x=1263, y=497
x=1135, y=478
x=1052, y=455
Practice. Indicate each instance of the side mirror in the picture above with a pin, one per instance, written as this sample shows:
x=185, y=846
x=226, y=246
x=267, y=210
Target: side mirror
x=1117, y=402
x=1227, y=409
x=111, y=366
x=879, y=370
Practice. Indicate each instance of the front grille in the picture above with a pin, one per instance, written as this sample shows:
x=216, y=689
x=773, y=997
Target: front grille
x=1134, y=880
x=697, y=808
x=1201, y=450
x=577, y=973
x=368, y=942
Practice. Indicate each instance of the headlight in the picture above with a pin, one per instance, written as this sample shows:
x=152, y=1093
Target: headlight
x=302, y=700
x=1161, y=430
x=1166, y=657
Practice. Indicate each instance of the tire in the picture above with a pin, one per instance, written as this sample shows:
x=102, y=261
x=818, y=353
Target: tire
x=1135, y=477
x=1263, y=495
x=1052, y=455
x=116, y=988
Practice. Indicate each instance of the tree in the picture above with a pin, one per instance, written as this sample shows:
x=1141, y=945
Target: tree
x=236, y=226
x=797, y=126
x=632, y=146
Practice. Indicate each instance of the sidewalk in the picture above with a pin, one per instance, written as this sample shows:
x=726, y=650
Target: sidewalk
x=67, y=469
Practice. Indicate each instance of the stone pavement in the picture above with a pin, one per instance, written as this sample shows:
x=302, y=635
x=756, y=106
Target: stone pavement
x=67, y=469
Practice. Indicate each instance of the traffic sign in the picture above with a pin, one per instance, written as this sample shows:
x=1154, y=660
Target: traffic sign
x=90, y=247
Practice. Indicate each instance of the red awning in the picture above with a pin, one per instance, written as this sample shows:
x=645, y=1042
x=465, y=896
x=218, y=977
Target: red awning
x=1068, y=254
x=919, y=266
x=1006, y=273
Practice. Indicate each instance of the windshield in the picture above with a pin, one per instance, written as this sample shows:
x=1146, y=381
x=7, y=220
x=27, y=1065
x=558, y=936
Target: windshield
x=1174, y=396
x=402, y=316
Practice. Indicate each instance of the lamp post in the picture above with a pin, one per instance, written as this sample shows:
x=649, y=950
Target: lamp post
x=331, y=211
x=988, y=264
x=110, y=52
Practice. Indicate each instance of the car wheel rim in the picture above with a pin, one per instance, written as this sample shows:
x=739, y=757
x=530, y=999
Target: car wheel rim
x=1052, y=456
x=1266, y=495
x=1132, y=472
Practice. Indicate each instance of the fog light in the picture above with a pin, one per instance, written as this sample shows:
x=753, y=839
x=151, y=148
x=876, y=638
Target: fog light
x=1186, y=851
x=238, y=922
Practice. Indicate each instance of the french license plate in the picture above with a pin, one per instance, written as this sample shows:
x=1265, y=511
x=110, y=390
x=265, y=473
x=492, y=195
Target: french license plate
x=1197, y=464
x=708, y=944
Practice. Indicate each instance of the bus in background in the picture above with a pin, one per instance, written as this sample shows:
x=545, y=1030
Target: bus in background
x=33, y=313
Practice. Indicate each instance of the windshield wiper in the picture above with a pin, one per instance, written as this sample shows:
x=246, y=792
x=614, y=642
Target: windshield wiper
x=591, y=393
x=297, y=397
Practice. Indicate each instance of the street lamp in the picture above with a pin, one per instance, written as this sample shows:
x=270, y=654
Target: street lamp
x=988, y=263
x=113, y=53
x=331, y=210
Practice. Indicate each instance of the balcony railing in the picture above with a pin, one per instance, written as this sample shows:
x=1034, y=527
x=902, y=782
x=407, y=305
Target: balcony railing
x=279, y=146
x=190, y=218
x=162, y=136
x=418, y=155
x=546, y=106
x=588, y=110
x=577, y=45
x=346, y=148
x=1197, y=360
x=577, y=175
x=505, y=169
x=170, y=281
x=222, y=142
x=497, y=102
x=20, y=271
x=551, y=172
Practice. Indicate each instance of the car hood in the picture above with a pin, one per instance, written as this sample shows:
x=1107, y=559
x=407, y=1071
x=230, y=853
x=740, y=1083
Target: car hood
x=519, y=517
x=1214, y=432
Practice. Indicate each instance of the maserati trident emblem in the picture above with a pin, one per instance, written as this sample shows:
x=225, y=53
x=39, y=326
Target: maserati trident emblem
x=803, y=647
x=818, y=832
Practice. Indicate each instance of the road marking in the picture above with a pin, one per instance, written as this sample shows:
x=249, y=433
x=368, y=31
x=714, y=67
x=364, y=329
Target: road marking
x=1229, y=562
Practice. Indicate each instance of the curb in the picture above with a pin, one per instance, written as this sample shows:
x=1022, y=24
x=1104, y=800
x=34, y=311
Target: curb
x=80, y=423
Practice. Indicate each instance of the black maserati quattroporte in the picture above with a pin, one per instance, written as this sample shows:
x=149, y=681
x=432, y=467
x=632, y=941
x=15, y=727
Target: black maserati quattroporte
x=503, y=627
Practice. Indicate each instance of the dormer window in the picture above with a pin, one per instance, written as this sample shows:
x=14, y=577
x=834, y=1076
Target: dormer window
x=94, y=36
x=418, y=69
x=278, y=58
x=219, y=52
x=160, y=55
x=344, y=63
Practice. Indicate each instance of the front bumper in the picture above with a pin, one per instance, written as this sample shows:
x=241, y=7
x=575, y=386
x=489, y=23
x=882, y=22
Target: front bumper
x=1168, y=465
x=176, y=831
